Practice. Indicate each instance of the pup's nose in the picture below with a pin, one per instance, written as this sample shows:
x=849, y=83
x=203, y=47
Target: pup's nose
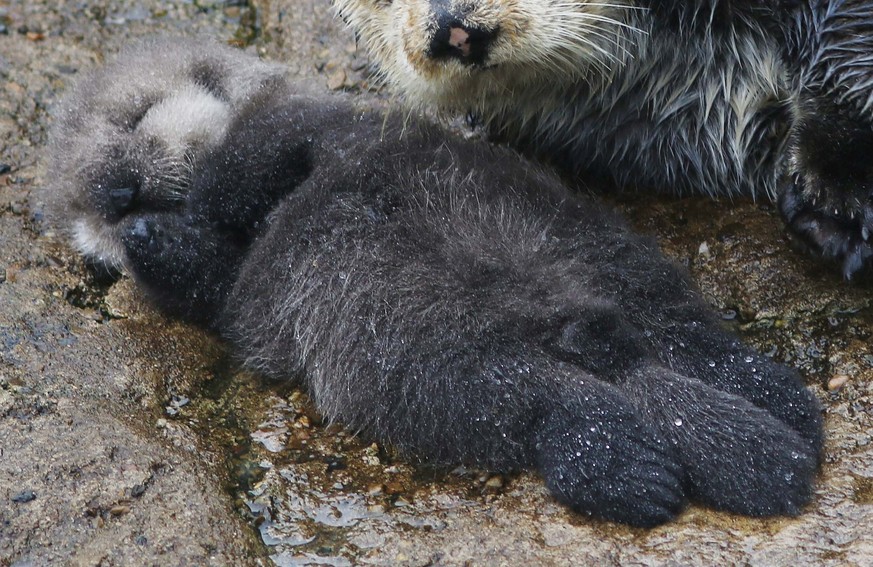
x=452, y=38
x=122, y=199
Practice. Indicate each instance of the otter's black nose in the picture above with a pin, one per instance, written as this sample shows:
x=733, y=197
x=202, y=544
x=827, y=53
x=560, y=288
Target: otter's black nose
x=122, y=199
x=452, y=38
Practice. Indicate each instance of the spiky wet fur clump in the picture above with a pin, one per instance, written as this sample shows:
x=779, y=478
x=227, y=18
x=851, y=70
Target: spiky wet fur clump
x=448, y=298
x=675, y=96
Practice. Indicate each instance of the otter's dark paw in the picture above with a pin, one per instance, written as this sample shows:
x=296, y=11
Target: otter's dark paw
x=144, y=239
x=161, y=250
x=837, y=232
x=619, y=470
x=187, y=269
x=826, y=197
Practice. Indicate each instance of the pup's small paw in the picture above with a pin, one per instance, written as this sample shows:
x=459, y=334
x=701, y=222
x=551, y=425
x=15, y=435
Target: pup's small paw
x=164, y=247
x=145, y=238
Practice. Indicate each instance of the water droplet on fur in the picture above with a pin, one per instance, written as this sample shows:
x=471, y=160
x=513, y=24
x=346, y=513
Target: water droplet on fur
x=711, y=363
x=749, y=359
x=789, y=476
x=578, y=453
x=677, y=422
x=795, y=455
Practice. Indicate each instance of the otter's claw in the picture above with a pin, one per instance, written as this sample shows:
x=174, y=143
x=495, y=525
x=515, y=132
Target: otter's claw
x=841, y=236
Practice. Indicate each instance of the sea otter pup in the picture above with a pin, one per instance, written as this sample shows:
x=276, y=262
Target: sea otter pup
x=722, y=97
x=442, y=296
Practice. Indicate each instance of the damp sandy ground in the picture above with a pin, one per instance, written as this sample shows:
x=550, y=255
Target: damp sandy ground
x=130, y=439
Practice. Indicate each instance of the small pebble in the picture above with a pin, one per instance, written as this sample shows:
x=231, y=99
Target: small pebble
x=371, y=460
x=494, y=482
x=5, y=168
x=336, y=80
x=22, y=497
x=303, y=422
x=837, y=382
x=375, y=489
x=119, y=510
x=335, y=463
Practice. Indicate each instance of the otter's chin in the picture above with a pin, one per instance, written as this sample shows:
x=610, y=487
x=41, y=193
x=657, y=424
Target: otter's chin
x=99, y=243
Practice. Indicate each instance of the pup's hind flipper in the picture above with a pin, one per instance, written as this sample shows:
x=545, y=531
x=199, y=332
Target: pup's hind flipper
x=735, y=456
x=598, y=457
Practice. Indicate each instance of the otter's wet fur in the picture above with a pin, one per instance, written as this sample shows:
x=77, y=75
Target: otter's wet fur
x=442, y=296
x=722, y=97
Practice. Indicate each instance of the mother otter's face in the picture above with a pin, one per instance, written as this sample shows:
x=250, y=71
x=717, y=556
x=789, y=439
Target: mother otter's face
x=452, y=52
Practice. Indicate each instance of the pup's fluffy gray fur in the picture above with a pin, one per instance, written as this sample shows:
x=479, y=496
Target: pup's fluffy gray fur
x=439, y=295
x=722, y=97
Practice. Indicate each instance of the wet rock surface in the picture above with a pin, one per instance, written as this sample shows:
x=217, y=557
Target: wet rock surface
x=130, y=439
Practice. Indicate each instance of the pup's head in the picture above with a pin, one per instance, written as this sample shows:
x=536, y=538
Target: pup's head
x=126, y=137
x=460, y=54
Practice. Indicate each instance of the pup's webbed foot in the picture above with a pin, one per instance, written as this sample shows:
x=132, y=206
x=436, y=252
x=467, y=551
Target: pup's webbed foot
x=609, y=464
x=739, y=432
x=735, y=456
x=188, y=269
x=700, y=350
